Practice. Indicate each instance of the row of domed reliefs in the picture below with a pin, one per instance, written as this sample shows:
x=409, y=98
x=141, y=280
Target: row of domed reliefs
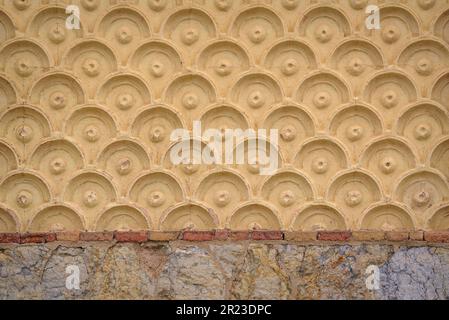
x=294, y=124
x=256, y=93
x=224, y=61
x=223, y=191
x=123, y=218
x=189, y=216
x=56, y=218
x=323, y=20
x=49, y=27
x=24, y=122
x=387, y=217
x=24, y=61
x=322, y=100
x=90, y=61
x=24, y=193
x=353, y=191
x=259, y=157
x=224, y=10
x=124, y=160
x=254, y=216
x=189, y=29
x=59, y=218
x=24, y=127
x=153, y=127
x=290, y=61
x=387, y=158
x=318, y=217
x=321, y=159
x=156, y=61
x=288, y=190
x=356, y=126
x=156, y=191
x=57, y=94
x=322, y=93
x=324, y=27
x=388, y=92
x=223, y=117
x=423, y=125
x=356, y=60
x=124, y=94
x=398, y=27
x=423, y=60
x=92, y=127
x=422, y=191
x=314, y=217
x=362, y=115
x=190, y=94
x=91, y=192
x=258, y=28
x=56, y=159
x=123, y=28
x=191, y=168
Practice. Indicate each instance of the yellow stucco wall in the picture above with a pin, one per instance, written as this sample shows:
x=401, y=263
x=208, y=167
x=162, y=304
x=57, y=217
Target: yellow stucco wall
x=86, y=114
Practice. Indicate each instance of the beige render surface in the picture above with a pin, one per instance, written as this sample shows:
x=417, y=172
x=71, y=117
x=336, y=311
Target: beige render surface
x=86, y=115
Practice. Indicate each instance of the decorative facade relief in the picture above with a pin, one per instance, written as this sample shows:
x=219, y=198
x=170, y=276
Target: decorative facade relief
x=87, y=114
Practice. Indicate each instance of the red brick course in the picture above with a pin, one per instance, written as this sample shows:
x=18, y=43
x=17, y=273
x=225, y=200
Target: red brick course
x=9, y=238
x=239, y=235
x=131, y=236
x=397, y=236
x=71, y=236
x=306, y=236
x=334, y=235
x=37, y=237
x=267, y=235
x=164, y=235
x=437, y=236
x=96, y=236
x=198, y=235
x=228, y=235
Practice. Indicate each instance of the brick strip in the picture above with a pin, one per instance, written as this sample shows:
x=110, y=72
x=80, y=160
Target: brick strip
x=228, y=235
x=37, y=237
x=437, y=236
x=96, y=236
x=131, y=236
x=334, y=235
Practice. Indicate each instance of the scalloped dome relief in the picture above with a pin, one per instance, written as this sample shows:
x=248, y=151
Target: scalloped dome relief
x=94, y=113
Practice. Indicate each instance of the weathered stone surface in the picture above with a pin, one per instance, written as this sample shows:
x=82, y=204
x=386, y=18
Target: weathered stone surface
x=413, y=273
x=191, y=272
x=261, y=276
x=223, y=270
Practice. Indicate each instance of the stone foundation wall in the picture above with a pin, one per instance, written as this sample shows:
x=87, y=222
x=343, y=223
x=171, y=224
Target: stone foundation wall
x=248, y=269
